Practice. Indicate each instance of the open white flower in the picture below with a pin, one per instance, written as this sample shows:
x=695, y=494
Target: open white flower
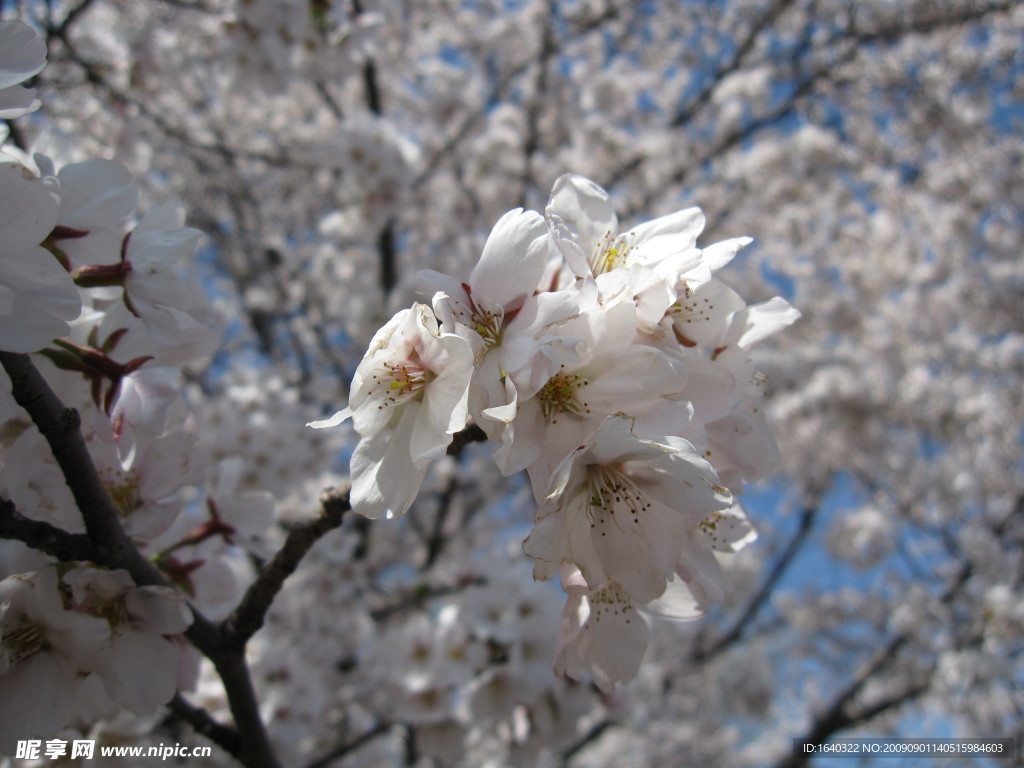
x=607, y=373
x=582, y=221
x=619, y=509
x=139, y=669
x=508, y=273
x=153, y=288
x=45, y=653
x=409, y=396
x=37, y=296
x=601, y=631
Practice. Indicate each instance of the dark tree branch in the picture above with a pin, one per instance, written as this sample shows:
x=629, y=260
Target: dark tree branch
x=112, y=548
x=841, y=713
x=837, y=716
x=435, y=542
x=60, y=427
x=47, y=538
x=471, y=434
x=248, y=617
x=222, y=735
x=588, y=738
x=388, y=258
x=350, y=746
x=532, y=140
x=701, y=656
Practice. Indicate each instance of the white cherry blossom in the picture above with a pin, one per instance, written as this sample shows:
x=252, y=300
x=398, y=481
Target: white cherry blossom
x=37, y=296
x=619, y=507
x=409, y=396
x=46, y=651
x=601, y=631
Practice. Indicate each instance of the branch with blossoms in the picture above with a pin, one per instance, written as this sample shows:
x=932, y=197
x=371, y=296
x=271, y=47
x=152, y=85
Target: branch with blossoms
x=107, y=544
x=610, y=364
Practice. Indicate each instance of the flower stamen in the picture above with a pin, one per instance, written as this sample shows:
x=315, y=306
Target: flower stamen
x=611, y=252
x=22, y=640
x=559, y=395
x=403, y=381
x=610, y=489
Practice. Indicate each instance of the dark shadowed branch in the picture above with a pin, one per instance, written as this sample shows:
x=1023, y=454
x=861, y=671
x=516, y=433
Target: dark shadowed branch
x=248, y=617
x=112, y=548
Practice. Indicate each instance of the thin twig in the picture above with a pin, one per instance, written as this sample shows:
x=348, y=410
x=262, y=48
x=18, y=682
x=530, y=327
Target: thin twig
x=248, y=616
x=350, y=746
x=702, y=656
x=222, y=735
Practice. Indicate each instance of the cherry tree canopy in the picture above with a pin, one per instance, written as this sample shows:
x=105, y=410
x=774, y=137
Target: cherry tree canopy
x=242, y=196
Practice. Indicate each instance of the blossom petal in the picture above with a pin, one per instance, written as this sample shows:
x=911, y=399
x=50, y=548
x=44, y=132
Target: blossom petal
x=513, y=260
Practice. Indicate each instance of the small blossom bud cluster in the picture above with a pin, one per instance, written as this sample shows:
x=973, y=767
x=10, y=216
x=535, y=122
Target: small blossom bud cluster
x=612, y=365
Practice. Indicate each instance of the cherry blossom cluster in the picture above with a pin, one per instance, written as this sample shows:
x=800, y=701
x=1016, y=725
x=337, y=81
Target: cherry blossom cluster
x=612, y=365
x=93, y=288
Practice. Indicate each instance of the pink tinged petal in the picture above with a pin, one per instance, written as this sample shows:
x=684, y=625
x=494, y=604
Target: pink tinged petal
x=36, y=696
x=28, y=208
x=615, y=442
x=145, y=396
x=711, y=388
x=630, y=379
x=760, y=321
x=166, y=464
x=447, y=397
x=153, y=282
x=142, y=672
x=522, y=439
x=580, y=543
x=743, y=442
x=639, y=551
x=22, y=53
x=702, y=572
x=544, y=546
x=513, y=260
x=430, y=282
x=168, y=215
x=567, y=661
x=91, y=589
x=96, y=193
x=652, y=293
x=684, y=482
